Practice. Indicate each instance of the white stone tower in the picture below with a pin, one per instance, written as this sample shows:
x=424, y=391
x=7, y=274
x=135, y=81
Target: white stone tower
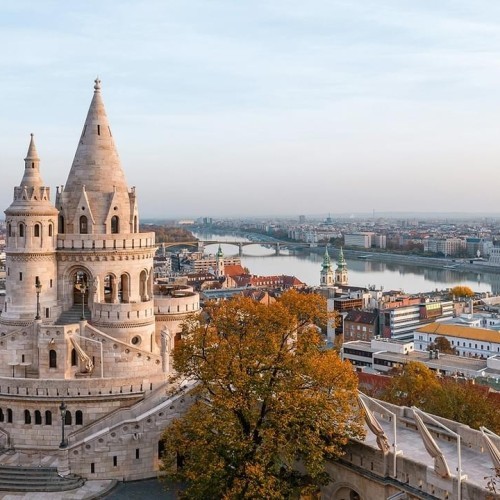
x=219, y=263
x=30, y=250
x=104, y=261
x=341, y=275
x=326, y=275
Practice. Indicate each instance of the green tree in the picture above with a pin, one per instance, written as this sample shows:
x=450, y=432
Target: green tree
x=273, y=405
x=411, y=385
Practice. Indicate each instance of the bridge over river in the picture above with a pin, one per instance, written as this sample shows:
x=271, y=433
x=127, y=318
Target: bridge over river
x=276, y=244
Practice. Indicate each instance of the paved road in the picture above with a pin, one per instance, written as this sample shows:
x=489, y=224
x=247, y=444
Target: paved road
x=142, y=490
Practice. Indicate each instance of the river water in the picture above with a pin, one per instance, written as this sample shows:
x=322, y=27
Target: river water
x=306, y=266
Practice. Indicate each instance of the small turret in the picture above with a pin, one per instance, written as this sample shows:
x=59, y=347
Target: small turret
x=341, y=275
x=326, y=275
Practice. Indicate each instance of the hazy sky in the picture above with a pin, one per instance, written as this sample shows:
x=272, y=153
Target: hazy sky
x=249, y=107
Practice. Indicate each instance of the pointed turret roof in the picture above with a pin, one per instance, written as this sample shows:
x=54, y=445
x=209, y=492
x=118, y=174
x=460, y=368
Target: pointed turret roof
x=31, y=196
x=97, y=172
x=219, y=252
x=96, y=164
x=326, y=260
x=341, y=263
x=31, y=177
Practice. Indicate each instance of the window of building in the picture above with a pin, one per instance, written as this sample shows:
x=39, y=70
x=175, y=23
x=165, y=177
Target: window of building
x=27, y=417
x=115, y=225
x=21, y=230
x=50, y=229
x=37, y=231
x=115, y=461
x=48, y=417
x=20, y=276
x=52, y=359
x=47, y=312
x=84, y=229
x=1, y=415
x=61, y=224
x=78, y=417
x=74, y=361
x=9, y=416
x=38, y=417
x=68, y=419
x=9, y=227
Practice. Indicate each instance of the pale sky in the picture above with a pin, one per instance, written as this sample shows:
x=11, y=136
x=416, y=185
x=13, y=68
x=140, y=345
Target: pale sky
x=252, y=107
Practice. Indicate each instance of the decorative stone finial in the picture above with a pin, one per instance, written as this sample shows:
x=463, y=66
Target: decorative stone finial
x=97, y=86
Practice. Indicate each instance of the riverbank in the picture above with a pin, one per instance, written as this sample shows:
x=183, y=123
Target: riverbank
x=415, y=260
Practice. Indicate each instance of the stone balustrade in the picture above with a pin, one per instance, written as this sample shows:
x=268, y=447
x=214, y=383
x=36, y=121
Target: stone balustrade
x=127, y=242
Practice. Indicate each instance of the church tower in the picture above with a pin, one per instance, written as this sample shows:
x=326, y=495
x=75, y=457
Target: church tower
x=326, y=276
x=30, y=255
x=341, y=275
x=104, y=262
x=219, y=263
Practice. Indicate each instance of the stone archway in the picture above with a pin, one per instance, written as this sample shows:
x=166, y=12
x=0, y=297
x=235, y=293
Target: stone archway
x=81, y=287
x=345, y=492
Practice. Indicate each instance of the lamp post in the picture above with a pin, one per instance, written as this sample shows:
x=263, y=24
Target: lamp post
x=63, y=408
x=83, y=289
x=38, y=288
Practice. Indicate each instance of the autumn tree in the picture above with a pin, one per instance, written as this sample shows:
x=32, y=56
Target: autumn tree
x=442, y=344
x=462, y=291
x=273, y=405
x=464, y=402
x=411, y=385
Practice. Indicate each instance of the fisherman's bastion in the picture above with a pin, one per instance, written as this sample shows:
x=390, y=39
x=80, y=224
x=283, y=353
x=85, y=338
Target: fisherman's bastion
x=83, y=325
x=86, y=341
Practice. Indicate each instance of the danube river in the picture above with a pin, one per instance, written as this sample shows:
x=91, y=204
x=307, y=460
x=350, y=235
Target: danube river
x=306, y=266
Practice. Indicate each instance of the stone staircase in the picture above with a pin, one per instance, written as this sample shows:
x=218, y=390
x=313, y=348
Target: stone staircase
x=39, y=479
x=73, y=315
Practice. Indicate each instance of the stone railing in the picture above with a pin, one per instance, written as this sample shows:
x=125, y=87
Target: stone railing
x=106, y=241
x=156, y=401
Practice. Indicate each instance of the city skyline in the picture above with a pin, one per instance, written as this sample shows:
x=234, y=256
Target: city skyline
x=235, y=109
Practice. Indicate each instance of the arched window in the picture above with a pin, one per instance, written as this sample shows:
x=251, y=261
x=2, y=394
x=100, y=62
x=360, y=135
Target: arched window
x=50, y=229
x=2, y=417
x=37, y=231
x=10, y=229
x=61, y=224
x=78, y=417
x=38, y=417
x=21, y=230
x=74, y=361
x=52, y=359
x=9, y=416
x=84, y=229
x=115, y=224
x=67, y=418
x=48, y=417
x=27, y=417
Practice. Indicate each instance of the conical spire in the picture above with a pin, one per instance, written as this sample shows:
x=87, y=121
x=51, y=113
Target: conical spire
x=326, y=260
x=31, y=177
x=96, y=164
x=341, y=261
x=219, y=252
x=96, y=174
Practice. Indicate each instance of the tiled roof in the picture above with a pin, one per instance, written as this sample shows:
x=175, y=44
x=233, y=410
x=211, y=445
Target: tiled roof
x=465, y=332
x=357, y=316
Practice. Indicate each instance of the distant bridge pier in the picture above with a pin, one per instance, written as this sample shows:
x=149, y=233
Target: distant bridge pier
x=277, y=248
x=201, y=246
x=240, y=249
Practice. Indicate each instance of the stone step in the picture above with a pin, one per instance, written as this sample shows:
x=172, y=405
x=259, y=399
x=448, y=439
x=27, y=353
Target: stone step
x=72, y=315
x=14, y=478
